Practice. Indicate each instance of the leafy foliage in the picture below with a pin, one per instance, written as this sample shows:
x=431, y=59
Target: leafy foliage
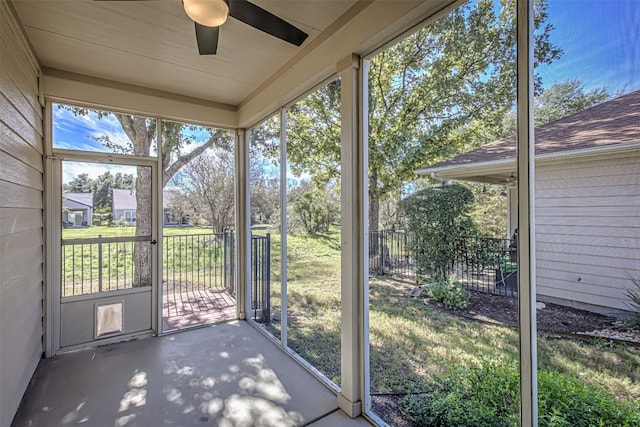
x=80, y=184
x=557, y=101
x=486, y=395
x=633, y=295
x=440, y=91
x=489, y=209
x=439, y=217
x=315, y=211
x=563, y=99
x=450, y=293
x=313, y=134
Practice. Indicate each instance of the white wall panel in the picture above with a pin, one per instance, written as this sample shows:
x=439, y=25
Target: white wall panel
x=588, y=230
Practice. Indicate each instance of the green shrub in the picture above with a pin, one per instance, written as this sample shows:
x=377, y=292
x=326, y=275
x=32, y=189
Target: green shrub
x=315, y=211
x=440, y=219
x=450, y=293
x=486, y=395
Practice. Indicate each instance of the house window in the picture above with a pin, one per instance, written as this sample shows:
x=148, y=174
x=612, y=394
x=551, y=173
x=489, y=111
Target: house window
x=129, y=216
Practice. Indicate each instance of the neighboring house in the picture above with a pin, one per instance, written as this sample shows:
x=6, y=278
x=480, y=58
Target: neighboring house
x=77, y=209
x=587, y=187
x=124, y=207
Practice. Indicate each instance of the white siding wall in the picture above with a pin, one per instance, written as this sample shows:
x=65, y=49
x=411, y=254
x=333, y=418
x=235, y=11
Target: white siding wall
x=21, y=207
x=588, y=230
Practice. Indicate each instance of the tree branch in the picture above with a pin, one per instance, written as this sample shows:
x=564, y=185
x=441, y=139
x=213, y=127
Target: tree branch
x=173, y=168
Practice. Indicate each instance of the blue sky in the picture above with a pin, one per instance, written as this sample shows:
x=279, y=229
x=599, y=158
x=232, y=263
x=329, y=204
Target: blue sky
x=72, y=169
x=601, y=43
x=76, y=132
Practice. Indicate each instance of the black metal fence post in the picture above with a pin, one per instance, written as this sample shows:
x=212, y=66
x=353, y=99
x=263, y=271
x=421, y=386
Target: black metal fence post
x=261, y=277
x=231, y=254
x=254, y=276
x=381, y=251
x=266, y=297
x=225, y=263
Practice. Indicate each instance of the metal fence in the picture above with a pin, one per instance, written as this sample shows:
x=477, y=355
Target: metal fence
x=190, y=263
x=482, y=263
x=391, y=253
x=488, y=265
x=261, y=277
x=104, y=264
x=197, y=262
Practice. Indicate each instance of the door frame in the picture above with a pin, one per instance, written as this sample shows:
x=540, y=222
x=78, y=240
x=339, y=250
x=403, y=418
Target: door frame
x=53, y=226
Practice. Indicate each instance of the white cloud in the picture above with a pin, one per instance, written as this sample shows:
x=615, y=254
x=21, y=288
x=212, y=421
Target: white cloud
x=72, y=169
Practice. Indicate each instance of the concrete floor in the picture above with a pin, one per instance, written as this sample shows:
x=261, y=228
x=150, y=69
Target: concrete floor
x=227, y=374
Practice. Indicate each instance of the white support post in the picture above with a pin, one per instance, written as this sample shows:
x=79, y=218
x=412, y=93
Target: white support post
x=284, y=309
x=53, y=224
x=351, y=396
x=526, y=217
x=158, y=221
x=243, y=226
x=365, y=379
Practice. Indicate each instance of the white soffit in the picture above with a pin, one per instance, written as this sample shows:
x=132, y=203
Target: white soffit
x=152, y=43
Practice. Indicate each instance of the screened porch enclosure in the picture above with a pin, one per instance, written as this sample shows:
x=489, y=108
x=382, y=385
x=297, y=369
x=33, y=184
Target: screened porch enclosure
x=141, y=58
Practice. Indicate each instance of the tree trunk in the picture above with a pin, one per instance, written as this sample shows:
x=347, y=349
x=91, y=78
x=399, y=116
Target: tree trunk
x=136, y=129
x=374, y=216
x=142, y=250
x=374, y=202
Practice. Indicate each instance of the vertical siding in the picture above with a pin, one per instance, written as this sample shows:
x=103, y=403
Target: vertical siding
x=21, y=207
x=588, y=229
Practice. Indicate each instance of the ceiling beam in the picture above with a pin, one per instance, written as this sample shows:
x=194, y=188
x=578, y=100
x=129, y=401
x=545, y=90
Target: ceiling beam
x=65, y=86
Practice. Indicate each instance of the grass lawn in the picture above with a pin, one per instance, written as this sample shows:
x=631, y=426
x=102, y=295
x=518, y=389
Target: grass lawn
x=411, y=342
x=124, y=231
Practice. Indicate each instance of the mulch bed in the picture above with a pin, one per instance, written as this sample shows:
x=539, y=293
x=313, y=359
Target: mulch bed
x=552, y=318
x=386, y=407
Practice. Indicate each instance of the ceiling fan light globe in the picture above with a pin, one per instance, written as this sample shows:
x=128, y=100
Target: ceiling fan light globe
x=210, y=13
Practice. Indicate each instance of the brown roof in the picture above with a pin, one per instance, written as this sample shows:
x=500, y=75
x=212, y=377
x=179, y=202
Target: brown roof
x=124, y=199
x=609, y=123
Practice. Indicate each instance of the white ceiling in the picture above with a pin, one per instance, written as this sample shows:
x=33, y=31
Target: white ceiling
x=152, y=43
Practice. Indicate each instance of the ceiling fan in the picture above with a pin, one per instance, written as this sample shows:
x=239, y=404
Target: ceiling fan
x=209, y=15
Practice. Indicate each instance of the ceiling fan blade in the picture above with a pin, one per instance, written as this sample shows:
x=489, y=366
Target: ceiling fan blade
x=207, y=38
x=265, y=21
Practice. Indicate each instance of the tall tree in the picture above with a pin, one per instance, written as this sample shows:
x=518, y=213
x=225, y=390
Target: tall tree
x=82, y=183
x=176, y=139
x=440, y=91
x=208, y=182
x=563, y=99
x=557, y=101
x=103, y=187
x=175, y=136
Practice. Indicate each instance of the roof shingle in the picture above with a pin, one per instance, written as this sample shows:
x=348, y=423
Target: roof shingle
x=609, y=123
